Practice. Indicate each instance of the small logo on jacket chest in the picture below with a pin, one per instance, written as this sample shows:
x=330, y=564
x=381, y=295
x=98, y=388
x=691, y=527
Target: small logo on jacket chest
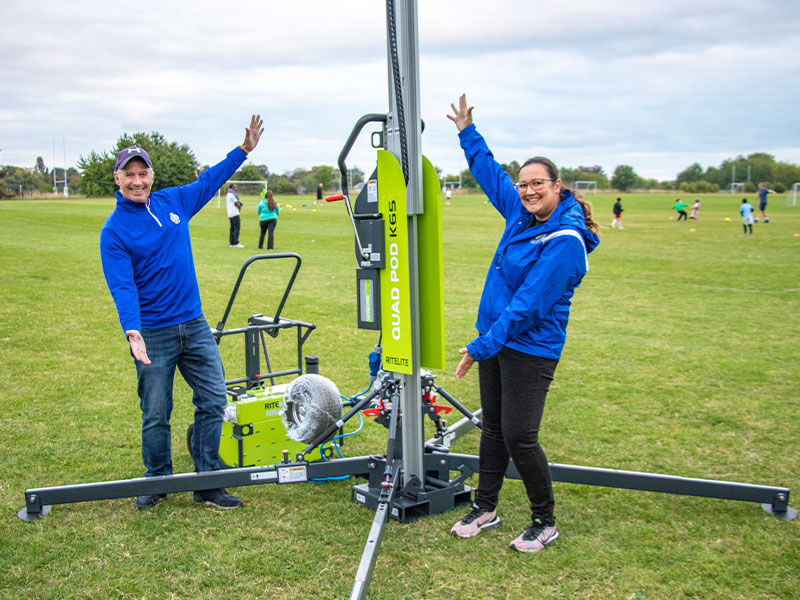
x=174, y=218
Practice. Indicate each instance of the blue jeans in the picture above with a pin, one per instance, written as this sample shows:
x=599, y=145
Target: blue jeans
x=191, y=347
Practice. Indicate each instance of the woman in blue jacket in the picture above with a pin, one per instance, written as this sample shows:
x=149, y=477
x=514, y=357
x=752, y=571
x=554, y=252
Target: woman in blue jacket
x=268, y=211
x=522, y=319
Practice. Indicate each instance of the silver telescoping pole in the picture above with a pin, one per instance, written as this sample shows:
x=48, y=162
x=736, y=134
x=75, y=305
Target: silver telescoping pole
x=403, y=54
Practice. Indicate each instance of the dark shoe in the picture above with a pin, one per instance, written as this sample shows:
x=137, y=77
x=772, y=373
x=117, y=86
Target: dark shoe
x=219, y=498
x=145, y=502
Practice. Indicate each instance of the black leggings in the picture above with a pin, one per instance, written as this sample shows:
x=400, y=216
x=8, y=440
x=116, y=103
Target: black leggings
x=682, y=215
x=267, y=225
x=513, y=387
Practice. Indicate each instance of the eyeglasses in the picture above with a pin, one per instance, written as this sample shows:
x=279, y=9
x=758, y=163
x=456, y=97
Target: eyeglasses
x=534, y=184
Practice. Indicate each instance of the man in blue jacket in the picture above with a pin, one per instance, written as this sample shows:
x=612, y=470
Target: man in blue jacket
x=147, y=261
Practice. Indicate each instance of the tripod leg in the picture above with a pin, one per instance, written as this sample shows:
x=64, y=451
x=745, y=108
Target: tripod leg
x=460, y=407
x=373, y=545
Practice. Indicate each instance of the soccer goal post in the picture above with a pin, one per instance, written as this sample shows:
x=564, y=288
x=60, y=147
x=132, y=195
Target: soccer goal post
x=582, y=187
x=791, y=199
x=259, y=182
x=736, y=188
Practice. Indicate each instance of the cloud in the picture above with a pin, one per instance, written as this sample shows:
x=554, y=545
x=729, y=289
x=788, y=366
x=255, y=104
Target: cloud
x=653, y=84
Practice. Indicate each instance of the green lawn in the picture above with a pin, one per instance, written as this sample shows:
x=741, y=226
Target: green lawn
x=683, y=357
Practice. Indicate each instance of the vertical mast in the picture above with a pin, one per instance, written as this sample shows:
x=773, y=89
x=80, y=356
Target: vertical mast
x=404, y=129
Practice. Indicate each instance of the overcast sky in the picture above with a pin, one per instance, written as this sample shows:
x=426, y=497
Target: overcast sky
x=656, y=84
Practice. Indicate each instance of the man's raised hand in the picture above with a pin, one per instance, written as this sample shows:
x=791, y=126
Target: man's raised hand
x=252, y=134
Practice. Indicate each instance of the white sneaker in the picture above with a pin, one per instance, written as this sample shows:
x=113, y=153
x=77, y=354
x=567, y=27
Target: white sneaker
x=238, y=246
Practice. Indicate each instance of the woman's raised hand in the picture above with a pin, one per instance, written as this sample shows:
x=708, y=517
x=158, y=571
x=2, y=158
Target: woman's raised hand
x=463, y=115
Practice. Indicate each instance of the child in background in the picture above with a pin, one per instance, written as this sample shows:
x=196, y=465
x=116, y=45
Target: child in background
x=747, y=215
x=695, y=209
x=679, y=206
x=617, y=214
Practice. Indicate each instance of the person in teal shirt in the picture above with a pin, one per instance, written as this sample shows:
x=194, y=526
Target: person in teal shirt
x=268, y=211
x=680, y=206
x=746, y=210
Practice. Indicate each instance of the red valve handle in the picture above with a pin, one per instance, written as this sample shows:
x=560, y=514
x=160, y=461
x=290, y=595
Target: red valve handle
x=334, y=198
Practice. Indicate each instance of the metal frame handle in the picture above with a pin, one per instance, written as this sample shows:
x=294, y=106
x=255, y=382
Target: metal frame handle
x=247, y=263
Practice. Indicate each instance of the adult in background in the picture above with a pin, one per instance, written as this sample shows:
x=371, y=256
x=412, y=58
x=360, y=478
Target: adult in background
x=147, y=261
x=763, y=192
x=522, y=318
x=319, y=195
x=234, y=206
x=268, y=211
x=746, y=210
x=617, y=210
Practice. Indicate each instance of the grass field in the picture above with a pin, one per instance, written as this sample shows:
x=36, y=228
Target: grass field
x=683, y=357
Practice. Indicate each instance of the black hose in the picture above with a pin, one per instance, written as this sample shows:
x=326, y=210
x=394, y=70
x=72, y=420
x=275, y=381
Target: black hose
x=391, y=28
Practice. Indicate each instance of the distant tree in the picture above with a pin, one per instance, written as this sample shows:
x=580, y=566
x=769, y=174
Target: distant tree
x=263, y=170
x=698, y=187
x=691, y=173
x=4, y=192
x=785, y=174
x=97, y=174
x=249, y=173
x=74, y=181
x=25, y=180
x=283, y=185
x=570, y=176
x=624, y=178
x=326, y=175
x=648, y=184
x=468, y=180
x=512, y=169
x=596, y=169
x=714, y=175
x=173, y=164
x=355, y=175
x=40, y=166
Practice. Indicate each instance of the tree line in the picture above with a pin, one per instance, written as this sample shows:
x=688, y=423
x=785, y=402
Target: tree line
x=176, y=164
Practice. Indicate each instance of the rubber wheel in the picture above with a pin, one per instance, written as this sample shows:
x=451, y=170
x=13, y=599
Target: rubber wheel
x=311, y=404
x=190, y=435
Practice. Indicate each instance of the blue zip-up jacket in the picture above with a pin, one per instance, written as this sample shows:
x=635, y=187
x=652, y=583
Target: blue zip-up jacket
x=147, y=253
x=535, y=270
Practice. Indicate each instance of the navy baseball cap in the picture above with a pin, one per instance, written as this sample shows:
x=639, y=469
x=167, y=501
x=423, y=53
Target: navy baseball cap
x=126, y=154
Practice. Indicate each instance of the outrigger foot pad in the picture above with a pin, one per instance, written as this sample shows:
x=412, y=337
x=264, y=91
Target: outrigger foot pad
x=23, y=514
x=789, y=514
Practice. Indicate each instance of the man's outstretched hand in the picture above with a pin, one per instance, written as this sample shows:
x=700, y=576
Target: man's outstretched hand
x=252, y=134
x=138, y=347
